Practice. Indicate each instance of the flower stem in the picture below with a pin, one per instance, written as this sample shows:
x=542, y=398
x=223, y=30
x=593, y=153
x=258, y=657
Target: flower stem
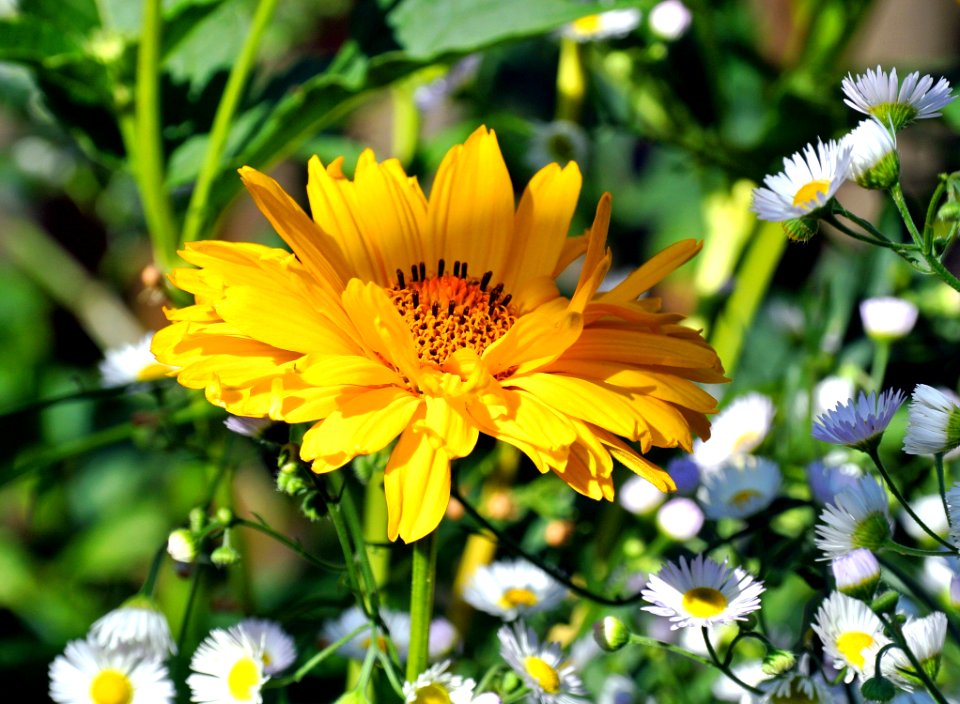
x=421, y=603
x=881, y=356
x=895, y=629
x=196, y=211
x=917, y=552
x=942, y=486
x=725, y=669
x=571, y=81
x=924, y=242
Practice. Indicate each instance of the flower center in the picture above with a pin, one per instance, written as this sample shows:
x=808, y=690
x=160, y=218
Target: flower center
x=746, y=442
x=243, y=677
x=809, y=194
x=704, y=602
x=872, y=532
x=545, y=675
x=381, y=644
x=448, y=312
x=852, y=644
x=432, y=694
x=587, y=26
x=517, y=597
x=743, y=496
x=111, y=687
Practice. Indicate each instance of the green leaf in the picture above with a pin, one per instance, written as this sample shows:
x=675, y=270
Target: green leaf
x=181, y=20
x=34, y=41
x=427, y=29
x=77, y=17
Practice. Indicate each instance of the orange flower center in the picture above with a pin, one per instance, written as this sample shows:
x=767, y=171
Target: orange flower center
x=448, y=312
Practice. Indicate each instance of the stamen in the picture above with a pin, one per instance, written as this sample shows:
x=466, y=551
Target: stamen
x=400, y=279
x=495, y=293
x=506, y=300
x=485, y=280
x=456, y=268
x=416, y=299
x=440, y=265
x=463, y=270
x=451, y=306
x=423, y=272
x=435, y=309
x=413, y=273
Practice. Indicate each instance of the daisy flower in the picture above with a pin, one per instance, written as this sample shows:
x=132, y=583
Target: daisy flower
x=558, y=141
x=876, y=93
x=830, y=391
x=541, y=667
x=431, y=321
x=131, y=363
x=670, y=19
x=741, y=488
x=874, y=161
x=807, y=183
x=953, y=506
x=680, y=519
x=438, y=685
x=831, y=475
x=887, y=317
x=737, y=430
x=512, y=588
x=138, y=626
x=857, y=573
x=859, y=424
x=702, y=593
x=934, y=422
x=925, y=637
x=279, y=652
x=443, y=635
x=87, y=673
x=603, y=25
x=228, y=668
x=640, y=497
x=858, y=518
x=851, y=634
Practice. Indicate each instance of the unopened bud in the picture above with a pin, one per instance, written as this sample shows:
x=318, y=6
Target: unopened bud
x=801, y=229
x=949, y=211
x=290, y=484
x=224, y=556
x=182, y=545
x=610, y=633
x=224, y=516
x=778, y=661
x=886, y=603
x=878, y=689
x=198, y=519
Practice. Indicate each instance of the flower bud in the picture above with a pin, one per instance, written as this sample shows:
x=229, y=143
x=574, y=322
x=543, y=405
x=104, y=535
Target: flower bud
x=857, y=574
x=949, y=211
x=611, y=633
x=886, y=603
x=878, y=689
x=801, y=229
x=224, y=515
x=778, y=661
x=289, y=483
x=224, y=556
x=182, y=545
x=198, y=519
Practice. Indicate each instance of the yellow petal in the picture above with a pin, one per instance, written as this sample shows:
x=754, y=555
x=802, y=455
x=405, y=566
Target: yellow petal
x=629, y=458
x=653, y=271
x=640, y=348
x=597, y=260
x=346, y=370
x=536, y=339
x=448, y=429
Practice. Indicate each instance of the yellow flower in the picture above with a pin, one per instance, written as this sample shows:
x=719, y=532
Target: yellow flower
x=437, y=320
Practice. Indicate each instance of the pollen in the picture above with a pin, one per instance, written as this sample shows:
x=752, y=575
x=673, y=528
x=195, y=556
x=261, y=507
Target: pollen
x=450, y=311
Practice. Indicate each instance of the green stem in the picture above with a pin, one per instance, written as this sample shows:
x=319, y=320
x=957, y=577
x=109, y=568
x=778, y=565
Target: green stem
x=375, y=528
x=721, y=666
x=422, y=583
x=349, y=557
x=188, y=607
x=151, y=581
x=932, y=688
x=882, y=242
x=875, y=456
x=924, y=242
x=896, y=193
x=304, y=669
x=149, y=140
x=295, y=546
x=878, y=237
x=636, y=639
x=932, y=212
x=881, y=356
x=942, y=485
x=916, y=552
x=196, y=210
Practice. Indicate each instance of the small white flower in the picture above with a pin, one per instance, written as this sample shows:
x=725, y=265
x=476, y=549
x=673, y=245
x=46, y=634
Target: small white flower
x=831, y=392
x=443, y=635
x=558, y=142
x=182, y=545
x=797, y=686
x=542, y=667
x=227, y=669
x=680, y=519
x=639, y=496
x=934, y=422
x=808, y=181
x=87, y=673
x=856, y=573
x=874, y=162
x=279, y=651
x=512, y=588
x=925, y=637
x=887, y=317
x=737, y=430
x=137, y=627
x=132, y=363
x=876, y=93
x=702, y=593
x=831, y=475
x=603, y=25
x=851, y=634
x=741, y=488
x=438, y=685
x=670, y=19
x=858, y=518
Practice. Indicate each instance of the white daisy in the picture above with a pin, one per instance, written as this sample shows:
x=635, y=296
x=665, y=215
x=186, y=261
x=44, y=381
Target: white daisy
x=874, y=162
x=887, y=317
x=512, y=588
x=796, y=686
x=670, y=19
x=558, y=141
x=702, y=593
x=138, y=627
x=741, y=488
x=227, y=668
x=603, y=25
x=831, y=475
x=934, y=422
x=925, y=637
x=131, y=363
x=437, y=685
x=851, y=634
x=443, y=636
x=807, y=183
x=639, y=496
x=858, y=518
x=542, y=667
x=737, y=430
x=279, y=651
x=680, y=519
x=87, y=673
x=953, y=506
x=876, y=93
x=830, y=392
x=857, y=573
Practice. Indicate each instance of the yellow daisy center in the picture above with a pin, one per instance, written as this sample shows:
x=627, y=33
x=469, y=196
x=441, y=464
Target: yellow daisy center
x=266, y=659
x=111, y=687
x=745, y=441
x=811, y=192
x=587, y=26
x=432, y=694
x=448, y=312
x=381, y=644
x=243, y=677
x=517, y=597
x=743, y=496
x=545, y=674
x=704, y=602
x=852, y=644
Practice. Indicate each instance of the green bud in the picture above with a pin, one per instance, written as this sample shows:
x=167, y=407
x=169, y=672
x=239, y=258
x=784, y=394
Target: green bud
x=198, y=519
x=290, y=484
x=510, y=681
x=289, y=467
x=312, y=508
x=182, y=546
x=610, y=633
x=881, y=175
x=801, y=229
x=949, y=211
x=778, y=661
x=749, y=622
x=886, y=603
x=224, y=556
x=878, y=689
x=224, y=516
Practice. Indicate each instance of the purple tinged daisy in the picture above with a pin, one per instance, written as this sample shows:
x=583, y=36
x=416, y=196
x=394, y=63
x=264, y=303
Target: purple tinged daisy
x=859, y=424
x=876, y=93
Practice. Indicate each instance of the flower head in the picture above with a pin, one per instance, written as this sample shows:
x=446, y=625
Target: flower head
x=670, y=19
x=558, y=141
x=953, y=507
x=542, y=667
x=680, y=518
x=437, y=685
x=858, y=518
x=429, y=322
x=702, y=593
x=512, y=588
x=874, y=162
x=851, y=634
x=132, y=363
x=857, y=573
x=279, y=651
x=876, y=93
x=831, y=475
x=934, y=422
x=737, y=430
x=741, y=488
x=88, y=673
x=887, y=317
x=925, y=637
x=859, y=424
x=442, y=633
x=137, y=627
x=603, y=25
x=228, y=668
x=807, y=183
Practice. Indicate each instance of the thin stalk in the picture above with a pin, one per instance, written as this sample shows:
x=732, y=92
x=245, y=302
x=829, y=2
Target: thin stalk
x=304, y=669
x=292, y=544
x=188, y=607
x=149, y=142
x=895, y=246
x=866, y=225
x=355, y=530
x=875, y=456
x=916, y=552
x=932, y=212
x=924, y=243
x=942, y=486
x=636, y=639
x=919, y=671
x=881, y=356
x=375, y=528
x=721, y=666
x=422, y=583
x=237, y=81
x=151, y=581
